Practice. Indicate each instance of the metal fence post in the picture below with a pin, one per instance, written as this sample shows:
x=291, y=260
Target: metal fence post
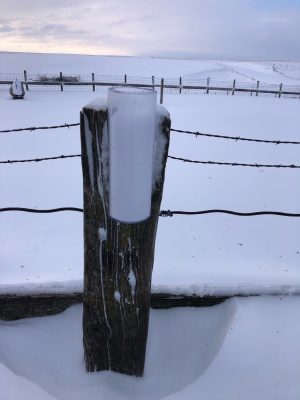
x=161, y=91
x=257, y=87
x=233, y=87
x=207, y=85
x=280, y=90
x=25, y=79
x=93, y=80
x=61, y=81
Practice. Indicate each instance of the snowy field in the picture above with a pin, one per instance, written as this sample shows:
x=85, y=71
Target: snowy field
x=265, y=72
x=209, y=253
x=242, y=349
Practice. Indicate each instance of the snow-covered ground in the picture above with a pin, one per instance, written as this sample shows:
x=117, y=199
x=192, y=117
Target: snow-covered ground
x=265, y=72
x=209, y=253
x=243, y=349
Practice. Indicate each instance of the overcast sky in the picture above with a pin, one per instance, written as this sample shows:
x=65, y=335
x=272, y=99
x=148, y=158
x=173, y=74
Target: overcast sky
x=231, y=29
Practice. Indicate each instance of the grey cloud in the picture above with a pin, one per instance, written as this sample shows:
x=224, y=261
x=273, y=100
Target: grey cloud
x=5, y=29
x=50, y=31
x=181, y=28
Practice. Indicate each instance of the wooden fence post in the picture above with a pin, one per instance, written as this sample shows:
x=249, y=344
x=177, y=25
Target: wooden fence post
x=25, y=79
x=118, y=257
x=93, y=80
x=257, y=87
x=125, y=78
x=153, y=82
x=161, y=91
x=280, y=90
x=61, y=81
x=180, y=84
x=233, y=87
x=207, y=85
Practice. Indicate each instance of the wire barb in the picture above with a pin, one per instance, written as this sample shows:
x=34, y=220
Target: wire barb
x=166, y=213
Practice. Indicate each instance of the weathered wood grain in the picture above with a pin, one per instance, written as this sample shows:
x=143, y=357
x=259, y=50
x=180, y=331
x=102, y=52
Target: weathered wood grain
x=118, y=258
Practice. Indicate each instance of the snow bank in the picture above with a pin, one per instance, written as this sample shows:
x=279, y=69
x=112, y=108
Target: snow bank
x=224, y=352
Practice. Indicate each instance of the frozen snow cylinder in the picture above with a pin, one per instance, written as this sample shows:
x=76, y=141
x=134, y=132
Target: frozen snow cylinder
x=131, y=124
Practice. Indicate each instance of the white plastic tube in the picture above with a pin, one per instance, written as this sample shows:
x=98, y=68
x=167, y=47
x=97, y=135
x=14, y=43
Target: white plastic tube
x=131, y=124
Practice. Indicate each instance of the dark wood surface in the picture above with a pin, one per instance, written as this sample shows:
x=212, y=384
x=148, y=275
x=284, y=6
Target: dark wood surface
x=118, y=258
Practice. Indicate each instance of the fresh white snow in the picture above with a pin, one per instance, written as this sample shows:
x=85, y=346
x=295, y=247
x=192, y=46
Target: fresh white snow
x=242, y=349
x=194, y=253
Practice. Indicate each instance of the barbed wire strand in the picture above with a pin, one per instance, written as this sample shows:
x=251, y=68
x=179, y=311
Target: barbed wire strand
x=40, y=159
x=234, y=164
x=38, y=211
x=35, y=128
x=195, y=133
x=236, y=138
x=163, y=213
x=168, y=213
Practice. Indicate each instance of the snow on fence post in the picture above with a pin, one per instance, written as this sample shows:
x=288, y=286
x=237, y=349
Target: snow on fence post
x=61, y=81
x=93, y=80
x=25, y=79
x=161, y=91
x=118, y=256
x=257, y=87
x=233, y=87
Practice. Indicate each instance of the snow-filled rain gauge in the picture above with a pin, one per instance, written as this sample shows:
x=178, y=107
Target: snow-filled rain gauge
x=131, y=123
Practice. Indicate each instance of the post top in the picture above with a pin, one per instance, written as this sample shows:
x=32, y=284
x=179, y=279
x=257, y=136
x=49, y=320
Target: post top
x=131, y=90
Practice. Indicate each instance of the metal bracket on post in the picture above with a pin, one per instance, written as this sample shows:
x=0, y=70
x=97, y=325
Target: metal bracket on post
x=118, y=257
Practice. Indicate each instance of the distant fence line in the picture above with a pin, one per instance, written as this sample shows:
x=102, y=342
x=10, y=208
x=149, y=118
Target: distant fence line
x=180, y=85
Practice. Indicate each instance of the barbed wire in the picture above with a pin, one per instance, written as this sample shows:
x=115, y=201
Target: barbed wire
x=195, y=133
x=168, y=213
x=235, y=164
x=40, y=159
x=163, y=213
x=35, y=128
x=236, y=138
x=39, y=211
